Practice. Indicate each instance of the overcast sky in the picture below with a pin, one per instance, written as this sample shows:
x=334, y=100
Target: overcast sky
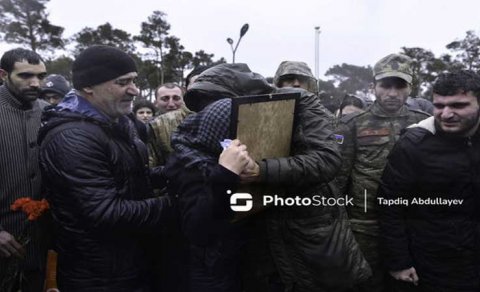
x=352, y=31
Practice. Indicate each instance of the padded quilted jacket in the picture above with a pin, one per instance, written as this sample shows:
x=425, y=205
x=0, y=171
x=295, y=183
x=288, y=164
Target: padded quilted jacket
x=100, y=196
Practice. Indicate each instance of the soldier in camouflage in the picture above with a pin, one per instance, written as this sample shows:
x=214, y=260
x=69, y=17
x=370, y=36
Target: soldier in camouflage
x=161, y=129
x=366, y=140
x=172, y=112
x=295, y=74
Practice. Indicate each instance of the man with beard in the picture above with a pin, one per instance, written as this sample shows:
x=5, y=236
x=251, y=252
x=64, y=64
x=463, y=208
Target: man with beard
x=431, y=240
x=97, y=178
x=22, y=72
x=366, y=140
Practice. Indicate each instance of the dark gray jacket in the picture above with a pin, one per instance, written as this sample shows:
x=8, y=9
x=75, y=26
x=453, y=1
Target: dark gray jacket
x=19, y=171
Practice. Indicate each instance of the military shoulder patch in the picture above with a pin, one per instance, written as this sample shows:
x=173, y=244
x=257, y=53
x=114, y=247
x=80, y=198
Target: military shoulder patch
x=339, y=138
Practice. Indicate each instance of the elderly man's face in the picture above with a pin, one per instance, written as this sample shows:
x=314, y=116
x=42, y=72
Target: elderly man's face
x=24, y=80
x=114, y=97
x=457, y=114
x=169, y=99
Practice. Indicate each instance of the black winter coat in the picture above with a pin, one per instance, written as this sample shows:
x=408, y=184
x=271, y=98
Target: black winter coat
x=439, y=240
x=212, y=243
x=100, y=196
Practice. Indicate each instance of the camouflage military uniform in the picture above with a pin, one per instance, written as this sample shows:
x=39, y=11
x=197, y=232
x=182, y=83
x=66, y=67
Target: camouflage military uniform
x=296, y=68
x=162, y=128
x=366, y=140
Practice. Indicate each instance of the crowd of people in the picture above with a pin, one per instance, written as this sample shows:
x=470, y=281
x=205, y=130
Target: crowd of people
x=139, y=191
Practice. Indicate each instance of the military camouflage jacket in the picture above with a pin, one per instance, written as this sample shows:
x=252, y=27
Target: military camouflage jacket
x=366, y=140
x=161, y=129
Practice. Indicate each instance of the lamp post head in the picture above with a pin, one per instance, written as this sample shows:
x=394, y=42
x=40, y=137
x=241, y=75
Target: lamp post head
x=244, y=30
x=230, y=41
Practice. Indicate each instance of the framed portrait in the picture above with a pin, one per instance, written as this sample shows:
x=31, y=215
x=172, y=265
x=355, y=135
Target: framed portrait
x=265, y=124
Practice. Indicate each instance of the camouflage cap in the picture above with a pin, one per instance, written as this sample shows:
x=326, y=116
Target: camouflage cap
x=296, y=68
x=394, y=65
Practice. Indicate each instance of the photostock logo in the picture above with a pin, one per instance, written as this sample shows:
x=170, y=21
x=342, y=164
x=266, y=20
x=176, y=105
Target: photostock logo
x=245, y=204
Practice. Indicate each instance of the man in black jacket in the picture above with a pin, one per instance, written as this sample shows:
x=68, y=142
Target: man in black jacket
x=429, y=193
x=95, y=168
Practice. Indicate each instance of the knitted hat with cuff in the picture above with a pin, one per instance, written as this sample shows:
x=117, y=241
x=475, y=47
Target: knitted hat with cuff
x=99, y=64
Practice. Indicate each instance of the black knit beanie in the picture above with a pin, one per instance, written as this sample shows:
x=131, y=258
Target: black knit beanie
x=99, y=64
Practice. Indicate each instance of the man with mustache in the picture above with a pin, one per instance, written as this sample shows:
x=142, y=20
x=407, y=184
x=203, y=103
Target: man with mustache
x=366, y=139
x=20, y=109
x=98, y=182
x=430, y=244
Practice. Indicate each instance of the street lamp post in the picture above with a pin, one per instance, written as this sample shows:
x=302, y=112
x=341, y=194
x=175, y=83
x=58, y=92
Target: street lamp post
x=317, y=50
x=243, y=31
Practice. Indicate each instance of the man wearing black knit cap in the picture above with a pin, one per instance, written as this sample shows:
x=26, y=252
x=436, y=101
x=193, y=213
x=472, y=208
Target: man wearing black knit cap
x=97, y=180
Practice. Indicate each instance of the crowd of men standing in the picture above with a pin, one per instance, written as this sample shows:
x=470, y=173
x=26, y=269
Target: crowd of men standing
x=139, y=200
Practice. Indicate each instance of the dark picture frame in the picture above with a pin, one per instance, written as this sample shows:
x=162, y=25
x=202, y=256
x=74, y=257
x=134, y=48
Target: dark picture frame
x=265, y=124
x=256, y=121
